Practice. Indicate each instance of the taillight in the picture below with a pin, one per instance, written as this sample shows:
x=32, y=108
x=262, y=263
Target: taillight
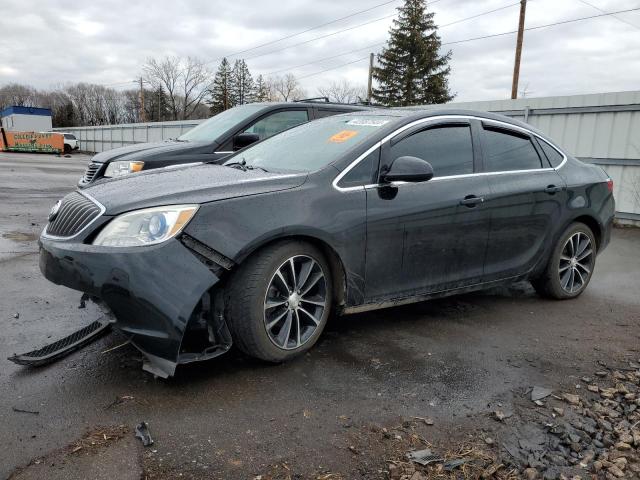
x=610, y=185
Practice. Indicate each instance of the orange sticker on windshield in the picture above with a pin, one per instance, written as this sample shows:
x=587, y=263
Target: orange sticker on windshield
x=343, y=136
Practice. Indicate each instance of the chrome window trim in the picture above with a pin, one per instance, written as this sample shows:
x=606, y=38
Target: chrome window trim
x=89, y=197
x=337, y=179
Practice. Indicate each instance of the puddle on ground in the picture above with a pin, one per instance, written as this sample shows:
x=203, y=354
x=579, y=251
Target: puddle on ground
x=20, y=236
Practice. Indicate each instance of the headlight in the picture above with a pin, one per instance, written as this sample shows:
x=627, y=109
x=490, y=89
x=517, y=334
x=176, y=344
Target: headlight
x=117, y=169
x=145, y=227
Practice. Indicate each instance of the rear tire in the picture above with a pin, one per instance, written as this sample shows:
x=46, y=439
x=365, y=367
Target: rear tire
x=570, y=266
x=279, y=300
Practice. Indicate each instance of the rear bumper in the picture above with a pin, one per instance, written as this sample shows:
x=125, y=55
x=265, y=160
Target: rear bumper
x=152, y=291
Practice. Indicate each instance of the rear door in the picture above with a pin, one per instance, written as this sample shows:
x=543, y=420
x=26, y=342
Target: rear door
x=526, y=199
x=428, y=236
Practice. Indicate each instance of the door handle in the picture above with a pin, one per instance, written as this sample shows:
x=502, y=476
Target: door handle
x=471, y=201
x=551, y=189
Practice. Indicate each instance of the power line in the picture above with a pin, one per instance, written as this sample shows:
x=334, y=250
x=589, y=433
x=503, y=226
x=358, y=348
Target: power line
x=617, y=18
x=483, y=37
x=478, y=15
x=382, y=43
x=320, y=37
x=307, y=30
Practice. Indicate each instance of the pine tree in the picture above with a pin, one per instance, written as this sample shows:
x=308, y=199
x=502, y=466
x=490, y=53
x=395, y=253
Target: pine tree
x=411, y=71
x=220, y=94
x=262, y=92
x=243, y=88
x=156, y=105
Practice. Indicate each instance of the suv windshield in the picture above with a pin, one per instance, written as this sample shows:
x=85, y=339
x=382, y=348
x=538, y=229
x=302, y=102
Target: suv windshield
x=213, y=128
x=313, y=145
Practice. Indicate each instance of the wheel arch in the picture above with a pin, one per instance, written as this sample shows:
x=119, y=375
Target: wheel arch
x=593, y=224
x=338, y=271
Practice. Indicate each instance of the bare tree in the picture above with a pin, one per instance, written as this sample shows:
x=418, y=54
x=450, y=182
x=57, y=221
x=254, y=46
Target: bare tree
x=18, y=95
x=343, y=92
x=184, y=81
x=287, y=88
x=196, y=79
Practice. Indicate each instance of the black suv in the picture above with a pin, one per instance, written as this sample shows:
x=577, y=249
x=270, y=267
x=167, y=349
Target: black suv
x=212, y=140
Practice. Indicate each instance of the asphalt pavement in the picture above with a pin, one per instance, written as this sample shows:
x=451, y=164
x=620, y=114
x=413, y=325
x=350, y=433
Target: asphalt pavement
x=453, y=360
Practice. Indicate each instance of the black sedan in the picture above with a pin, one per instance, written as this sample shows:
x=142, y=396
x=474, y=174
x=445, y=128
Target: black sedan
x=345, y=214
x=212, y=140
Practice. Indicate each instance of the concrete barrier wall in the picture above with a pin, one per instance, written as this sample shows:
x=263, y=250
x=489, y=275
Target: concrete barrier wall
x=601, y=128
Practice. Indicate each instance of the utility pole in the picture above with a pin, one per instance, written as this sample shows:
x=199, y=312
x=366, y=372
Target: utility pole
x=142, y=116
x=369, y=84
x=516, y=66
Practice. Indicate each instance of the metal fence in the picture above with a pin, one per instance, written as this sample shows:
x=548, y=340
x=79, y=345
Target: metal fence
x=108, y=137
x=601, y=128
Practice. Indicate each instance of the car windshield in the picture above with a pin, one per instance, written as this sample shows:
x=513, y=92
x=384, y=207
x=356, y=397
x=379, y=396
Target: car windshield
x=311, y=146
x=217, y=125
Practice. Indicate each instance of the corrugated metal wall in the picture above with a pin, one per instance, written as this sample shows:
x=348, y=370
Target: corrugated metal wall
x=108, y=137
x=600, y=128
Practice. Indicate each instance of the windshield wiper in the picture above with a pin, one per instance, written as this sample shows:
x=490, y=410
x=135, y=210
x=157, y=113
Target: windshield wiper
x=254, y=167
x=242, y=165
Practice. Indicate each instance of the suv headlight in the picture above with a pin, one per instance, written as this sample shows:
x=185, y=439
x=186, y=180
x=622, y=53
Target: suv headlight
x=117, y=169
x=145, y=227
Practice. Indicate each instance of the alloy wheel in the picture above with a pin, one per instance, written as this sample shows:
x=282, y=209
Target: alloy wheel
x=295, y=302
x=576, y=262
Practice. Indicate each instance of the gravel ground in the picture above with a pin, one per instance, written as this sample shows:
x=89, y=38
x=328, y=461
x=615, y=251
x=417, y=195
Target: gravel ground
x=377, y=385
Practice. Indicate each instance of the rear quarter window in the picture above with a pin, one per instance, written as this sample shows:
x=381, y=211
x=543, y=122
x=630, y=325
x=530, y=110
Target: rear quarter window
x=554, y=156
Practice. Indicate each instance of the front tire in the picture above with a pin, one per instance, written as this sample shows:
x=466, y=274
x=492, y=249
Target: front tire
x=279, y=301
x=570, y=266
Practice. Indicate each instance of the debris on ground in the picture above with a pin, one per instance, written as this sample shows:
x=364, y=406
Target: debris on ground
x=120, y=401
x=592, y=435
x=424, y=457
x=16, y=315
x=538, y=393
x=21, y=410
x=97, y=438
x=142, y=432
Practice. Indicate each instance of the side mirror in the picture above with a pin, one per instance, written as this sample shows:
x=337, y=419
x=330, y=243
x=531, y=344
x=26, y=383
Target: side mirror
x=244, y=139
x=408, y=169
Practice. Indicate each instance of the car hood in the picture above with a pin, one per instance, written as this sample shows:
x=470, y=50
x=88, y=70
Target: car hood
x=189, y=184
x=141, y=151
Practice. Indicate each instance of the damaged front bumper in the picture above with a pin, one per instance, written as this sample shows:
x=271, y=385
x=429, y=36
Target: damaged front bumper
x=164, y=296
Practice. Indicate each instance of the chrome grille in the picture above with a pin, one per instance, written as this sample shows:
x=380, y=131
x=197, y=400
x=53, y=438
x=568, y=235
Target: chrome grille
x=91, y=172
x=75, y=213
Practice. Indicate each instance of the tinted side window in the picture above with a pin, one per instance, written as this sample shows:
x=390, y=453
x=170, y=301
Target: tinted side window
x=554, y=156
x=327, y=113
x=277, y=122
x=448, y=149
x=506, y=150
x=363, y=173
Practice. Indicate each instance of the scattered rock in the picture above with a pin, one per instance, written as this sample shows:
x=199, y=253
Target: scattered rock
x=571, y=398
x=16, y=315
x=530, y=473
x=501, y=416
x=538, y=393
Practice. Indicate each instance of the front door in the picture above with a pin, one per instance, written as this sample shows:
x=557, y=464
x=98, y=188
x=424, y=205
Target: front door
x=428, y=236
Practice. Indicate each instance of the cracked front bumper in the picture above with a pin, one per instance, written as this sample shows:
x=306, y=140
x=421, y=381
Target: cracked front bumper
x=151, y=290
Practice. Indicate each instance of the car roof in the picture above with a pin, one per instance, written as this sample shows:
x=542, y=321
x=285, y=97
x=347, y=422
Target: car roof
x=417, y=112
x=323, y=105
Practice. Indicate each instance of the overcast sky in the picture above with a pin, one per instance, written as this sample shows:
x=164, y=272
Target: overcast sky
x=50, y=43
